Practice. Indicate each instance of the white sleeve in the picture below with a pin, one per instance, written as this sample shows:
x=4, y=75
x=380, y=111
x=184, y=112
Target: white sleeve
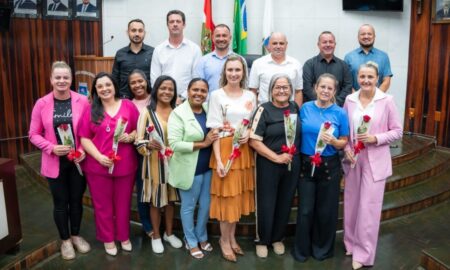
x=253, y=80
x=155, y=68
x=214, y=118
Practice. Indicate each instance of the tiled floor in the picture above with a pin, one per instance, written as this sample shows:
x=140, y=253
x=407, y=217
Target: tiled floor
x=399, y=246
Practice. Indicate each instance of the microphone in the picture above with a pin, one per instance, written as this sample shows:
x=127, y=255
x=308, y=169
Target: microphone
x=109, y=40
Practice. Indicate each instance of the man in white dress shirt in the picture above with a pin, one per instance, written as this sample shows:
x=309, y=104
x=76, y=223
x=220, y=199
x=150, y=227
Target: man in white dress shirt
x=176, y=56
x=276, y=62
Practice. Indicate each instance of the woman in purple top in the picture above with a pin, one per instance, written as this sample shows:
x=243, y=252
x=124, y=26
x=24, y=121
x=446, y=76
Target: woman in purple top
x=107, y=132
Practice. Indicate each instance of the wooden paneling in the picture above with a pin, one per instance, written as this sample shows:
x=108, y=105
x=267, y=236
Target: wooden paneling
x=27, y=51
x=428, y=76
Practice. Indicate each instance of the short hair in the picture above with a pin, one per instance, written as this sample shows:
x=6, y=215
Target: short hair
x=157, y=85
x=61, y=64
x=222, y=25
x=275, y=78
x=369, y=64
x=223, y=76
x=326, y=32
x=198, y=79
x=142, y=73
x=369, y=25
x=97, y=110
x=176, y=12
x=137, y=21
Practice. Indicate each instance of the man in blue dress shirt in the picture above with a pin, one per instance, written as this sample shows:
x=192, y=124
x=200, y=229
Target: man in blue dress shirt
x=366, y=52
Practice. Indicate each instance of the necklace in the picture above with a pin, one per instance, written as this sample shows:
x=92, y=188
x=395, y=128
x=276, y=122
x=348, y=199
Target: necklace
x=108, y=129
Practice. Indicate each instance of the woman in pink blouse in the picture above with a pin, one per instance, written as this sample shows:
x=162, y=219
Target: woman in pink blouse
x=54, y=122
x=107, y=134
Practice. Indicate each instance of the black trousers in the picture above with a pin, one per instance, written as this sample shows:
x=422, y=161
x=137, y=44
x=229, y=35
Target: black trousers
x=318, y=209
x=275, y=190
x=67, y=192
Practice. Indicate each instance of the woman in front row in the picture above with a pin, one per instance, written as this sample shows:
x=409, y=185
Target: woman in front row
x=232, y=193
x=319, y=192
x=364, y=183
x=110, y=180
x=191, y=142
x=276, y=171
x=62, y=108
x=156, y=188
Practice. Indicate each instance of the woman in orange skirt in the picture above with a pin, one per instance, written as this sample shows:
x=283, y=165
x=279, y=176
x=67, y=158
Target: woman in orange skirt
x=232, y=187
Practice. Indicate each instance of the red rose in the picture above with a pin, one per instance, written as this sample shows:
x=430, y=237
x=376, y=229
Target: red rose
x=113, y=156
x=168, y=152
x=64, y=127
x=245, y=122
x=150, y=129
x=73, y=154
x=287, y=113
x=124, y=120
x=327, y=124
x=366, y=118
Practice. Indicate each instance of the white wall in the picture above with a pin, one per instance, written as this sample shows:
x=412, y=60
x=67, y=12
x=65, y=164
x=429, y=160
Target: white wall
x=302, y=21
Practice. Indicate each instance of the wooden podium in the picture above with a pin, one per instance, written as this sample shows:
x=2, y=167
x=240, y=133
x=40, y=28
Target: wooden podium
x=86, y=67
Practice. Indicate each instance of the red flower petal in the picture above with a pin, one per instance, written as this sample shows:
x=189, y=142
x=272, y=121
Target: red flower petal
x=366, y=118
x=287, y=113
x=245, y=122
x=150, y=129
x=327, y=124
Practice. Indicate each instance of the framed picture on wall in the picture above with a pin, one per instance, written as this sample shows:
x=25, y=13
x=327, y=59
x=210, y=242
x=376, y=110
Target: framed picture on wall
x=56, y=8
x=87, y=9
x=440, y=12
x=25, y=8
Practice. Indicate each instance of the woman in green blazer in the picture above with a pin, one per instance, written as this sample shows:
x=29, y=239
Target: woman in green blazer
x=189, y=166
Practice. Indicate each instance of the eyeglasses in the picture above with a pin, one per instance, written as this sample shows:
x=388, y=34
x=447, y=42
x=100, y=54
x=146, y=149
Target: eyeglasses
x=284, y=88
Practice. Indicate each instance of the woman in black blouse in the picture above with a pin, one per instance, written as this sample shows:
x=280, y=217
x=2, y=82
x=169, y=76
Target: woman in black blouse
x=277, y=164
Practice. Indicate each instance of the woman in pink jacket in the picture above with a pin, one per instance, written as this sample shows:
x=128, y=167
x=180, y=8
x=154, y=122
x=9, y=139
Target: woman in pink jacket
x=374, y=124
x=54, y=123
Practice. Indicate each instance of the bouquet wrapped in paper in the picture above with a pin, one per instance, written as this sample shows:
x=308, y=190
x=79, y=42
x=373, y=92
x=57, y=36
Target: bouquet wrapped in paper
x=66, y=136
x=235, y=152
x=118, y=132
x=316, y=159
x=358, y=145
x=290, y=126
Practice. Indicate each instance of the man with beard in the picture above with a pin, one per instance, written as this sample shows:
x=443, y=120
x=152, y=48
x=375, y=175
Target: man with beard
x=209, y=67
x=136, y=55
x=177, y=56
x=366, y=52
x=276, y=62
x=326, y=62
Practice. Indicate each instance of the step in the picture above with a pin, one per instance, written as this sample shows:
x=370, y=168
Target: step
x=410, y=147
x=436, y=258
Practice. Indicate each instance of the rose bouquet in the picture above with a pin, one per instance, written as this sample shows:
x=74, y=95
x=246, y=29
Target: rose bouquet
x=118, y=132
x=66, y=136
x=290, y=127
x=358, y=145
x=235, y=152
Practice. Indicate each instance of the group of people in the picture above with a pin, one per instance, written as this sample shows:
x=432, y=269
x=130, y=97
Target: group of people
x=185, y=128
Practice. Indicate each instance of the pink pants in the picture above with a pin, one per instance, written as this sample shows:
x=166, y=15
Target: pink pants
x=363, y=202
x=111, y=197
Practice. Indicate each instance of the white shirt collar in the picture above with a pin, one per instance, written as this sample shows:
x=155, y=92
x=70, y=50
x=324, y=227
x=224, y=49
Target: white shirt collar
x=378, y=95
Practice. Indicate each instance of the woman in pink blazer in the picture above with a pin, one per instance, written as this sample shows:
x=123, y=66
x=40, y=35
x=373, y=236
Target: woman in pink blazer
x=366, y=171
x=54, y=122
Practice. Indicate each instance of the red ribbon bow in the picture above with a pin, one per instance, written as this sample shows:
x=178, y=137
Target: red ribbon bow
x=167, y=153
x=316, y=160
x=358, y=147
x=235, y=154
x=290, y=150
x=113, y=156
x=73, y=154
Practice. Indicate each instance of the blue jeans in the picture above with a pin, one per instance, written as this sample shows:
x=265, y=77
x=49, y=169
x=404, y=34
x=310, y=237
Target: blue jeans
x=200, y=191
x=143, y=207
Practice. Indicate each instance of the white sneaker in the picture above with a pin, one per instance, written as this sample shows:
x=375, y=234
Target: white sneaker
x=67, y=251
x=157, y=246
x=173, y=240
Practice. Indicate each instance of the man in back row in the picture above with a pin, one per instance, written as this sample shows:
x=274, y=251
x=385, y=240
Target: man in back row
x=277, y=61
x=177, y=56
x=366, y=52
x=326, y=62
x=136, y=55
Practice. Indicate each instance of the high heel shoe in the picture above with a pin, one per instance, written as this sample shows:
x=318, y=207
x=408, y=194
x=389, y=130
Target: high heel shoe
x=238, y=250
x=228, y=257
x=356, y=265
